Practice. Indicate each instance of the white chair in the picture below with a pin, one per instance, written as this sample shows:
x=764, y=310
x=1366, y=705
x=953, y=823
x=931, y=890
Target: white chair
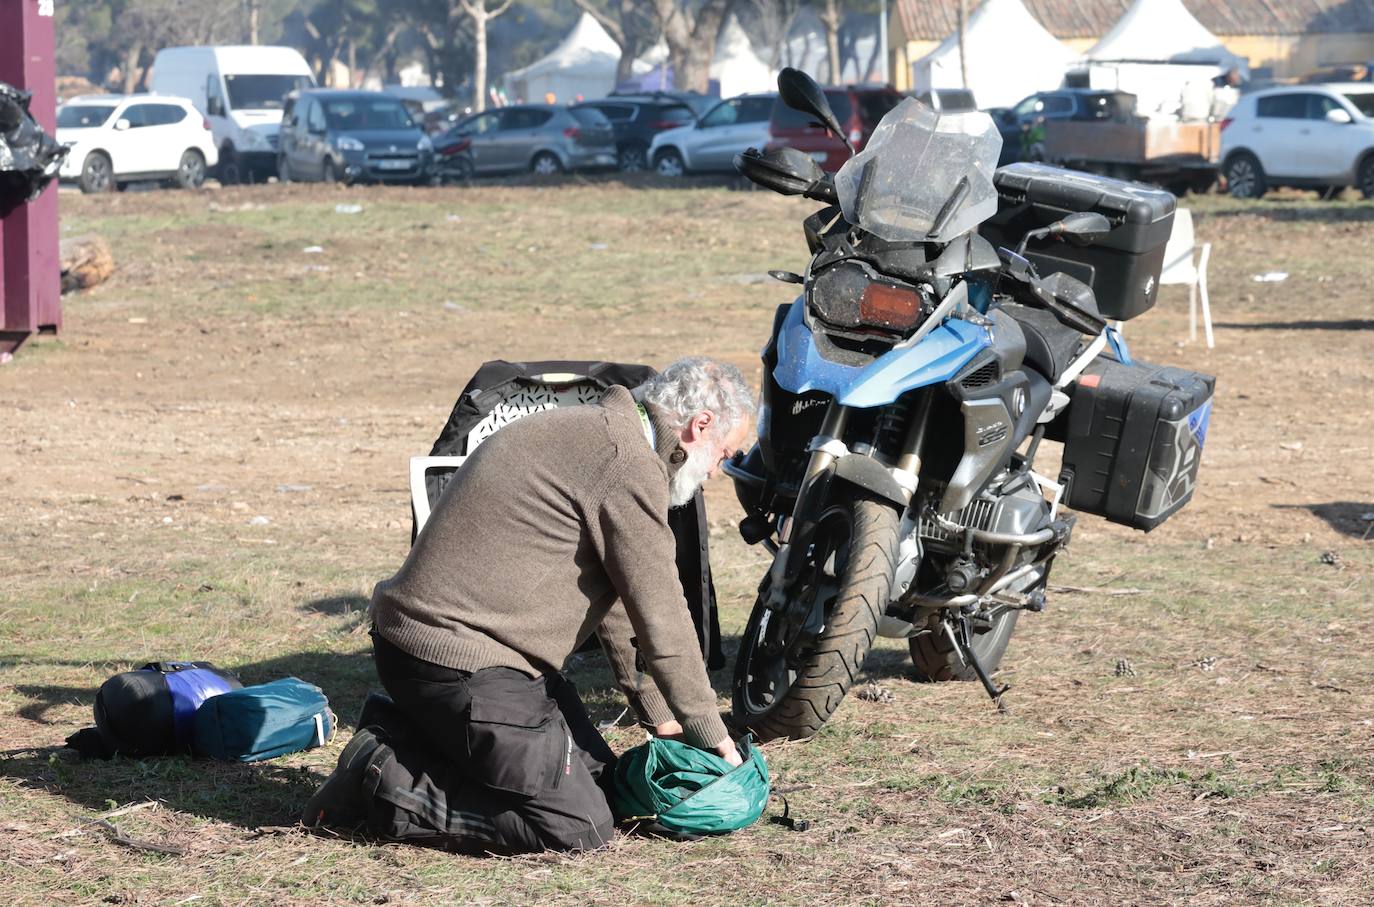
x=1181, y=268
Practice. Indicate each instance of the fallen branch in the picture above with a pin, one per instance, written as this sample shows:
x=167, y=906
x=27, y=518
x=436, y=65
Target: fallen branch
x=119, y=837
x=1089, y=590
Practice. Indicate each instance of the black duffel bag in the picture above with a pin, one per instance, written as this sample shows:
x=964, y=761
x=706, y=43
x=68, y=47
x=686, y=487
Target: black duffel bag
x=150, y=712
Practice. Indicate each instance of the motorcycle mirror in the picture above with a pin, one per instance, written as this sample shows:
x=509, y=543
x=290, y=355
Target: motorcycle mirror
x=787, y=276
x=800, y=92
x=1083, y=228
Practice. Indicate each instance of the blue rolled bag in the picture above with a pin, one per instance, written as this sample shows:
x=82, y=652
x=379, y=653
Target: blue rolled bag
x=263, y=722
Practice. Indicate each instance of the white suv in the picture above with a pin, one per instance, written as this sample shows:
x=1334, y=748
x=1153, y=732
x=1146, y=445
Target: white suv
x=117, y=139
x=1311, y=136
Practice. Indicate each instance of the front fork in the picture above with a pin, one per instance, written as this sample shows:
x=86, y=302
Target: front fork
x=827, y=449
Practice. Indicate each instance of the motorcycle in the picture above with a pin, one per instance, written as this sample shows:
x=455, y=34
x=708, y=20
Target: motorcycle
x=908, y=389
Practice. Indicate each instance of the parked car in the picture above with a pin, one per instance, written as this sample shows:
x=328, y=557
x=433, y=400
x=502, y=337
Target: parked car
x=858, y=108
x=950, y=100
x=354, y=136
x=637, y=120
x=241, y=91
x=698, y=102
x=542, y=138
x=1311, y=136
x=118, y=139
x=711, y=144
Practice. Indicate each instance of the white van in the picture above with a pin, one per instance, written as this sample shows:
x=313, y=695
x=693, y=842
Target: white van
x=240, y=90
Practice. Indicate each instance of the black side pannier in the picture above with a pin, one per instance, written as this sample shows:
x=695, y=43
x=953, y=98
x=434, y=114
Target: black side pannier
x=1133, y=436
x=501, y=392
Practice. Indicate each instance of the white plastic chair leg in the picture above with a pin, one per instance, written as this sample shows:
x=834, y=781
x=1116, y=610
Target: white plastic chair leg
x=1202, y=291
x=1192, y=310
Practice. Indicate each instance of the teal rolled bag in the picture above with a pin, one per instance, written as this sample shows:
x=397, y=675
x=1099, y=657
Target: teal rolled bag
x=690, y=791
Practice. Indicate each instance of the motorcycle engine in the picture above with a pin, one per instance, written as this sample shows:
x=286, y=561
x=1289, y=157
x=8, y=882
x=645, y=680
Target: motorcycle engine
x=1017, y=507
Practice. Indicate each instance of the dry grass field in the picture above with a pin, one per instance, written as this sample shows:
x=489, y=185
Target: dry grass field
x=1191, y=720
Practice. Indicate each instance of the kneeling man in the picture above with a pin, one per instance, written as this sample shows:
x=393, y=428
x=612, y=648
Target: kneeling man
x=554, y=529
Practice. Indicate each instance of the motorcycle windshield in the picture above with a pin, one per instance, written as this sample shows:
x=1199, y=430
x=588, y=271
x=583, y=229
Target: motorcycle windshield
x=924, y=176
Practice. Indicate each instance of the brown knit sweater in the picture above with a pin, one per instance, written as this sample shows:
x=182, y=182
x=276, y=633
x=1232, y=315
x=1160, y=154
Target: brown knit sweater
x=550, y=520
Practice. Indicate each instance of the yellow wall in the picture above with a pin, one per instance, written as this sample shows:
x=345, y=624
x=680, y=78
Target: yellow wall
x=1297, y=55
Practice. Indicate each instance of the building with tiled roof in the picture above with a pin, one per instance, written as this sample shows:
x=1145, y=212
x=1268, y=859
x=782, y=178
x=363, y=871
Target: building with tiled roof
x=1280, y=38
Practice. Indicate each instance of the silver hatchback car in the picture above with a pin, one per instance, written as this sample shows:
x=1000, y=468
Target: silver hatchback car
x=542, y=138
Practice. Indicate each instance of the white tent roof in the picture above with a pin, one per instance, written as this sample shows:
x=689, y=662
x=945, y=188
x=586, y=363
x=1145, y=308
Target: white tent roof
x=736, y=67
x=1161, y=31
x=583, y=63
x=1010, y=55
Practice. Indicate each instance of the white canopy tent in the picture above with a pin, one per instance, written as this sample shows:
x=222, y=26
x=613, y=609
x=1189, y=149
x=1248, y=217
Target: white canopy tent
x=1164, y=56
x=584, y=63
x=1010, y=55
x=736, y=67
x=1161, y=31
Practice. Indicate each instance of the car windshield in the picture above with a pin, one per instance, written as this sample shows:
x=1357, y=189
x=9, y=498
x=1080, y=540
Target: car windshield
x=362, y=114
x=260, y=92
x=1363, y=101
x=923, y=176
x=83, y=116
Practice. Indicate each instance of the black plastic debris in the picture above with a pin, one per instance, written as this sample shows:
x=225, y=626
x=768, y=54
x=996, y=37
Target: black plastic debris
x=29, y=157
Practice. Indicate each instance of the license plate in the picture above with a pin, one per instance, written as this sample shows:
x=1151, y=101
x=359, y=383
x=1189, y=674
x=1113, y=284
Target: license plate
x=393, y=165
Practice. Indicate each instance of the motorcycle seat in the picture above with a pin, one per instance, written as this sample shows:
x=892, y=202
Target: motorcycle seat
x=1050, y=346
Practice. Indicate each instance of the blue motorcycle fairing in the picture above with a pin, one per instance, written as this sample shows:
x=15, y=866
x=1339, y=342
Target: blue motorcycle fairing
x=938, y=357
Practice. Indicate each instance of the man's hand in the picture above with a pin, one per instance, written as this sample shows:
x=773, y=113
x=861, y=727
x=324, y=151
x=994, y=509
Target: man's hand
x=669, y=730
x=727, y=750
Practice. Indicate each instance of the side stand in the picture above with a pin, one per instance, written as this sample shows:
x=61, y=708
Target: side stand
x=961, y=638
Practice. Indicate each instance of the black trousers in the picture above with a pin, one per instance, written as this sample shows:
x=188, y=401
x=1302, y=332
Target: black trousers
x=492, y=759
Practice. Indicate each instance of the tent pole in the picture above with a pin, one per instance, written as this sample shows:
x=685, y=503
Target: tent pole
x=882, y=41
x=963, y=58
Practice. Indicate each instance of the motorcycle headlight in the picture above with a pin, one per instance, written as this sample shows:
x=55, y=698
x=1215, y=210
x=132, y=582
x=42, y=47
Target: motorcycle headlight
x=851, y=295
x=348, y=143
x=424, y=144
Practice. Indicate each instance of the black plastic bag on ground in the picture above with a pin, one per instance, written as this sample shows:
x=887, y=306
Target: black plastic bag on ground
x=29, y=157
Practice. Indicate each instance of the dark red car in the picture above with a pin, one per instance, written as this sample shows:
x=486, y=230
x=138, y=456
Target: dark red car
x=858, y=108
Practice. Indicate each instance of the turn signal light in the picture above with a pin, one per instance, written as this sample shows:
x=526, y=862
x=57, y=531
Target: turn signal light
x=572, y=132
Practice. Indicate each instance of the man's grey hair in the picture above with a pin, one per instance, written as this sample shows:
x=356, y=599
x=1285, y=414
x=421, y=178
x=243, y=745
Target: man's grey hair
x=688, y=386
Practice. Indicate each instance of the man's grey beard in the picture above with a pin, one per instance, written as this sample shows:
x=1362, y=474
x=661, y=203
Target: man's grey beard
x=689, y=478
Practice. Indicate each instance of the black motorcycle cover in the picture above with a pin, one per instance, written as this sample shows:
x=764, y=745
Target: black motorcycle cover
x=501, y=392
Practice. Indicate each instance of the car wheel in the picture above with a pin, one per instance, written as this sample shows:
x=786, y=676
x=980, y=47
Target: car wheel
x=669, y=163
x=191, y=170
x=1365, y=178
x=331, y=175
x=1245, y=176
x=459, y=170
x=97, y=175
x=633, y=158
x=230, y=171
x=546, y=164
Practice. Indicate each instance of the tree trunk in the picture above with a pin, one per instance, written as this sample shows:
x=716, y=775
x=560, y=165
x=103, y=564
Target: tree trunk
x=132, y=71
x=479, y=64
x=830, y=18
x=253, y=6
x=692, y=40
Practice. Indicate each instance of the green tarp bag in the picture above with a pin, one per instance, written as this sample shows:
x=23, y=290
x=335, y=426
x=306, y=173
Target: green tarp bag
x=689, y=791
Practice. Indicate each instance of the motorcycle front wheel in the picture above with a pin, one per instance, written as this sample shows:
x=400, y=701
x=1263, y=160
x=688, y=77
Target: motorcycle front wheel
x=783, y=691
